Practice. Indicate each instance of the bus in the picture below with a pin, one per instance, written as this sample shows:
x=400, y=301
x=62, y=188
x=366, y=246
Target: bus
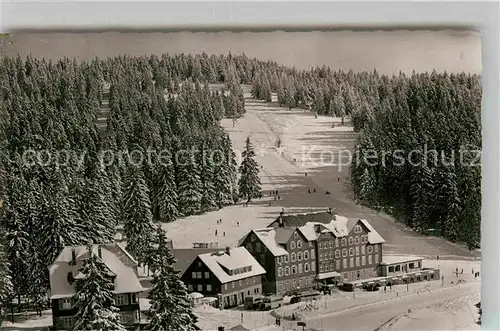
x=306, y=296
x=271, y=302
x=253, y=302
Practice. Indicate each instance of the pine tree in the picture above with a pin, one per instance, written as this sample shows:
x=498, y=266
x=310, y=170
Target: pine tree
x=171, y=308
x=249, y=183
x=137, y=214
x=165, y=197
x=189, y=187
x=6, y=288
x=94, y=297
x=208, y=199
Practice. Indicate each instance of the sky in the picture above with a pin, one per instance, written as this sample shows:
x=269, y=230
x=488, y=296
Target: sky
x=387, y=51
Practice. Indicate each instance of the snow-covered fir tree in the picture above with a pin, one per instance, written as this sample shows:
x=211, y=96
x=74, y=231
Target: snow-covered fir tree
x=207, y=174
x=6, y=288
x=165, y=197
x=189, y=187
x=138, y=219
x=249, y=182
x=171, y=308
x=94, y=297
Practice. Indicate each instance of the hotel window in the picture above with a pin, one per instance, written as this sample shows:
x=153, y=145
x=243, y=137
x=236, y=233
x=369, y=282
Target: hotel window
x=300, y=268
x=209, y=287
x=344, y=263
x=418, y=265
x=330, y=255
x=281, y=286
x=200, y=288
x=357, y=250
x=337, y=253
x=66, y=321
x=346, y=275
x=295, y=234
x=363, y=260
x=287, y=284
x=292, y=245
x=121, y=300
x=193, y=275
x=293, y=257
x=299, y=256
x=232, y=284
x=257, y=247
x=294, y=283
x=357, y=261
x=344, y=241
x=287, y=271
x=285, y=258
x=344, y=252
x=356, y=240
x=370, y=259
x=306, y=267
x=313, y=255
x=357, y=229
x=198, y=274
x=239, y=282
x=65, y=304
x=337, y=264
x=127, y=317
x=225, y=286
x=350, y=240
x=294, y=270
x=321, y=257
x=249, y=247
x=280, y=271
x=351, y=251
x=190, y=287
x=320, y=245
x=330, y=244
x=278, y=259
x=391, y=269
x=363, y=249
x=301, y=282
x=369, y=249
x=313, y=267
x=326, y=268
x=336, y=242
x=306, y=255
x=321, y=268
x=376, y=248
x=376, y=258
x=351, y=262
x=207, y=275
x=299, y=244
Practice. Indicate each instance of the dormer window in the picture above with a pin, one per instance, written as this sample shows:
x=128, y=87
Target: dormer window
x=357, y=229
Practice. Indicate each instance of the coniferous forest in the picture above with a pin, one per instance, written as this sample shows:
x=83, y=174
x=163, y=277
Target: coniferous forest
x=160, y=106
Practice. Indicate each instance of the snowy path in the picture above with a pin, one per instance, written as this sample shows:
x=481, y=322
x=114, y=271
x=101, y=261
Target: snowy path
x=370, y=317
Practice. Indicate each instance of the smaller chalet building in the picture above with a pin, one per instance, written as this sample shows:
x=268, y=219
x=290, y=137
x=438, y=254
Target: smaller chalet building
x=229, y=275
x=122, y=270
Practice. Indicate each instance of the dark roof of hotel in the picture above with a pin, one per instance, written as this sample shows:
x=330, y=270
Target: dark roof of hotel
x=298, y=220
x=185, y=256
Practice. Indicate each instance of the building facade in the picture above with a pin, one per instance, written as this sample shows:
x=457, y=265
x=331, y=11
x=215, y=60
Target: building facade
x=122, y=271
x=229, y=276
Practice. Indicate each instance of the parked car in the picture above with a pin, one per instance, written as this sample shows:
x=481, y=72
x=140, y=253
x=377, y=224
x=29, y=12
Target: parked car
x=305, y=296
x=326, y=288
x=253, y=302
x=271, y=302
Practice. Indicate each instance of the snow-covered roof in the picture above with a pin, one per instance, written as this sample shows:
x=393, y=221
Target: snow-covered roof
x=238, y=257
x=268, y=238
x=395, y=259
x=340, y=226
x=299, y=219
x=116, y=259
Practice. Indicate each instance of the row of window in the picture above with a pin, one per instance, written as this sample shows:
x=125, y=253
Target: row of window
x=198, y=275
x=348, y=263
x=120, y=300
x=294, y=269
x=199, y=287
x=398, y=267
x=292, y=284
x=299, y=256
x=353, y=251
x=363, y=239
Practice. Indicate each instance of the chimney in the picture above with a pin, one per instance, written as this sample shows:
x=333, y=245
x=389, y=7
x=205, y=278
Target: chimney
x=99, y=251
x=73, y=256
x=228, y=250
x=280, y=222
